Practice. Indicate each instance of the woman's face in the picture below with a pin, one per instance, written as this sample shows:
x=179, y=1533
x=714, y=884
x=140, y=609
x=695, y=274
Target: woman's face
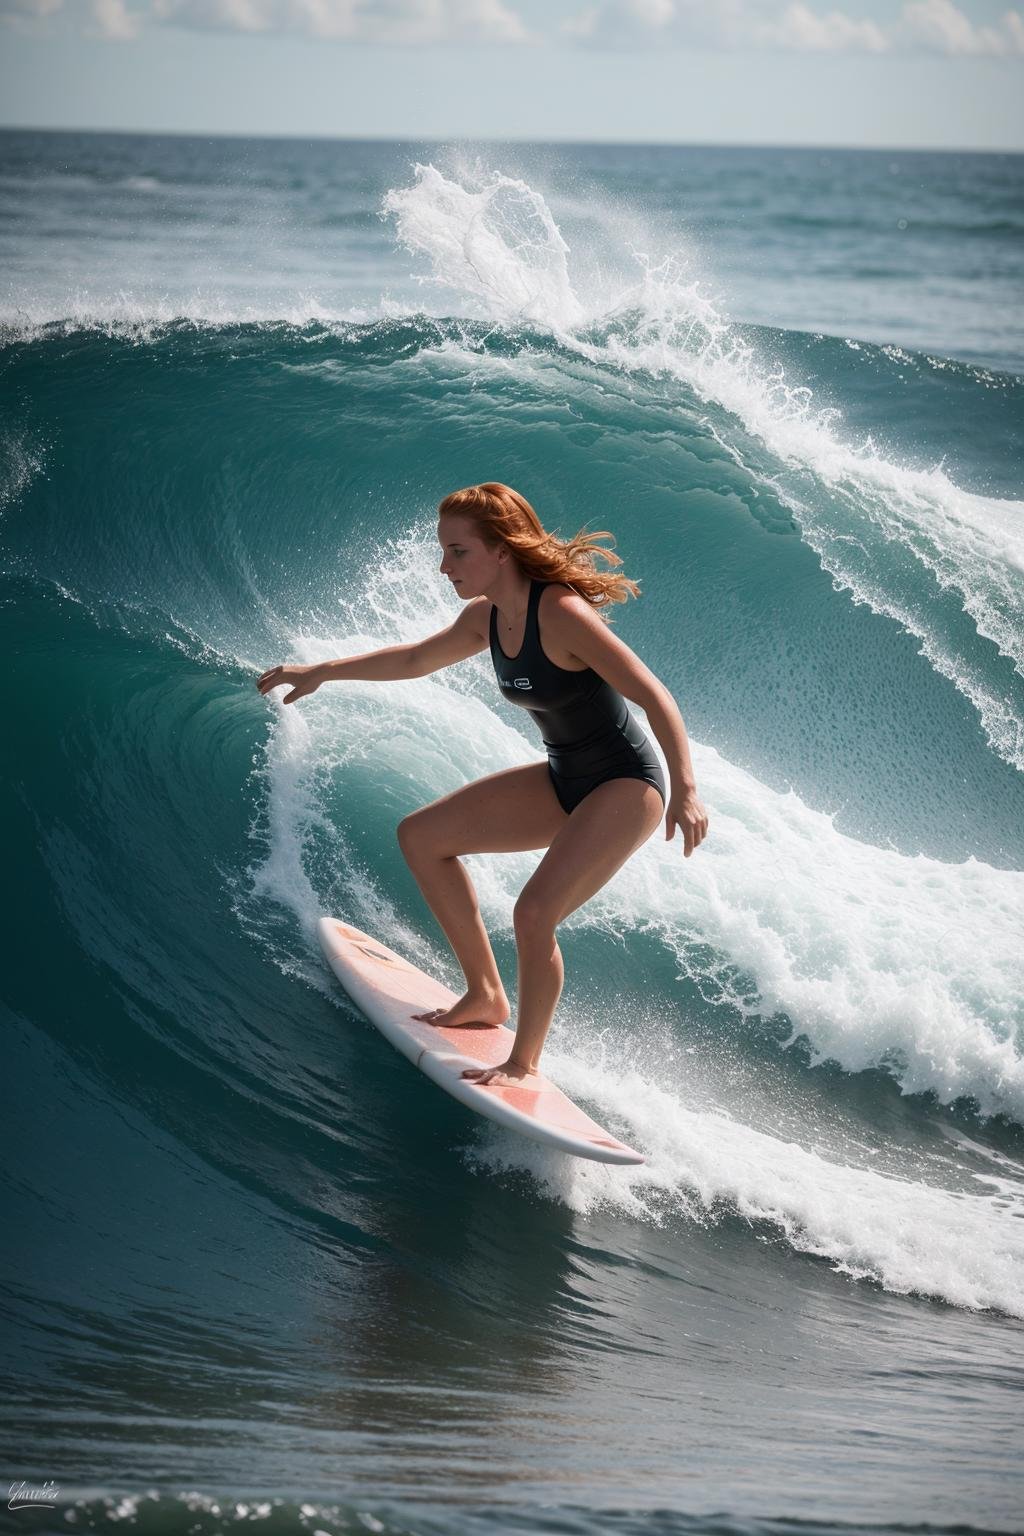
x=470, y=564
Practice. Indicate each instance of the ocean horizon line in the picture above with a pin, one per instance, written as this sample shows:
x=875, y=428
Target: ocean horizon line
x=203, y=135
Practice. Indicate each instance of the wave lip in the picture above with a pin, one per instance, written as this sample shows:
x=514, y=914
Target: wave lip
x=496, y=242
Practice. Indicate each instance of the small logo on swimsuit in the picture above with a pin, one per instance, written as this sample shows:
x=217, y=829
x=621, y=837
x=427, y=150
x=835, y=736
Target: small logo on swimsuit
x=523, y=682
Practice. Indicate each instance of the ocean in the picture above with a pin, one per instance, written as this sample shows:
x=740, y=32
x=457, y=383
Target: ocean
x=257, y=1271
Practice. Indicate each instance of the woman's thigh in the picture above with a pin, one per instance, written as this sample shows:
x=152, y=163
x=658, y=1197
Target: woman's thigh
x=603, y=831
x=507, y=812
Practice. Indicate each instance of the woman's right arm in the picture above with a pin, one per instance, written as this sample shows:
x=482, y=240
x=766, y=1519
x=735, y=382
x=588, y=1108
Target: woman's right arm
x=395, y=663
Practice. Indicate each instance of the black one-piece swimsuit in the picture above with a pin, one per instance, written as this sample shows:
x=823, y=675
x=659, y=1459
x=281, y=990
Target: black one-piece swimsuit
x=584, y=722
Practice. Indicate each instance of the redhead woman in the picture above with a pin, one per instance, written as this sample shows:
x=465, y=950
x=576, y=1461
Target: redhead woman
x=538, y=603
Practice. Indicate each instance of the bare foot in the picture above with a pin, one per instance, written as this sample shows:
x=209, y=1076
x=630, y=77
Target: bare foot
x=500, y=1076
x=475, y=1007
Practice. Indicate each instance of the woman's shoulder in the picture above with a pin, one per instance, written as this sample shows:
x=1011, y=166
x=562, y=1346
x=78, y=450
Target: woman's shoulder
x=561, y=591
x=567, y=614
x=564, y=598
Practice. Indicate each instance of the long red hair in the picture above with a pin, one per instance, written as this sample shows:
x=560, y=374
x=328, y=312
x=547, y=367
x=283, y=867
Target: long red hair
x=502, y=516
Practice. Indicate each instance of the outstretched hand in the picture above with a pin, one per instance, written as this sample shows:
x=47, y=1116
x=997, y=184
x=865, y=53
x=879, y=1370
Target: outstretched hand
x=304, y=680
x=685, y=811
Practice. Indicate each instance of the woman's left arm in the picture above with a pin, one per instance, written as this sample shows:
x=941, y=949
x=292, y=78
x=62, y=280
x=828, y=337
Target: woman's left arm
x=579, y=630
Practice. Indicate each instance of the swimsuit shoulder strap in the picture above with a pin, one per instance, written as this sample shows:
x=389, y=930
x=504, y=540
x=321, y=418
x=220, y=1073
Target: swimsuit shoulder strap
x=531, y=630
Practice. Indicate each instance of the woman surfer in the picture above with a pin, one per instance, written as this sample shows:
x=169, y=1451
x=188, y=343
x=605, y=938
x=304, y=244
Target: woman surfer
x=535, y=601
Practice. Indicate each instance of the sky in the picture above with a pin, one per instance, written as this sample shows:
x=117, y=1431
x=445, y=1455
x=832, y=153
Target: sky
x=872, y=73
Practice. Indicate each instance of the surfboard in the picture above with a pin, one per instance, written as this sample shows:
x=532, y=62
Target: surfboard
x=389, y=990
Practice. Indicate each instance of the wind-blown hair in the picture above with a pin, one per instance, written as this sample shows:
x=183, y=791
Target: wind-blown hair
x=502, y=516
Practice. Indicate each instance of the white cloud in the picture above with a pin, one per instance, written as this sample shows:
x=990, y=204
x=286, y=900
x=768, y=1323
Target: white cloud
x=940, y=26
x=800, y=28
x=656, y=13
x=114, y=20
x=793, y=26
x=751, y=25
x=641, y=23
x=403, y=22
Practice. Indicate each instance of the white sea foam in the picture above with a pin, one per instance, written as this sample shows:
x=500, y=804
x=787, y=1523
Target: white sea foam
x=964, y=1247
x=874, y=956
x=494, y=241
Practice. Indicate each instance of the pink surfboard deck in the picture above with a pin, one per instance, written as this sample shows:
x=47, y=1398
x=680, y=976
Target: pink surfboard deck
x=389, y=991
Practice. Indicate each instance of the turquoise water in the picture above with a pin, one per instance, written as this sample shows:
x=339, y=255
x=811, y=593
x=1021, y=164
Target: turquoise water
x=256, y=1269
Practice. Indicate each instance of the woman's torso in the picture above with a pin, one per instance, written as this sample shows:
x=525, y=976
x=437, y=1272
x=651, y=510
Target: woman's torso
x=573, y=708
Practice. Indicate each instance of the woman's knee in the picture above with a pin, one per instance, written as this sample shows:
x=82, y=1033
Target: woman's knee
x=413, y=834
x=532, y=916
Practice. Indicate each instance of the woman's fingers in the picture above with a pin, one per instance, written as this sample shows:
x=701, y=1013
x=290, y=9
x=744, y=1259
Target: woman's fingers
x=692, y=835
x=272, y=678
x=278, y=675
x=693, y=825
